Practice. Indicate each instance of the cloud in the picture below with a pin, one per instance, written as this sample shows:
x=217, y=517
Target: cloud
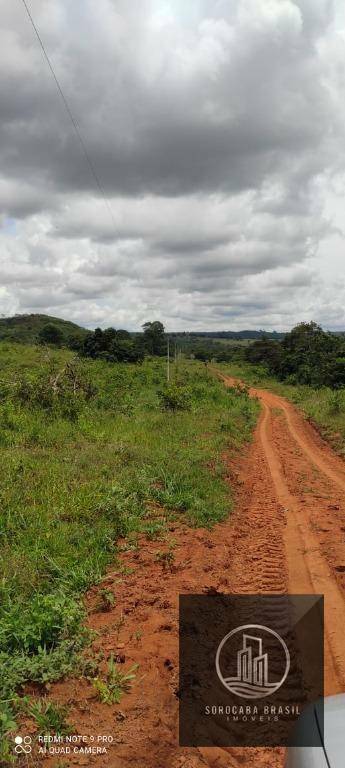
x=215, y=129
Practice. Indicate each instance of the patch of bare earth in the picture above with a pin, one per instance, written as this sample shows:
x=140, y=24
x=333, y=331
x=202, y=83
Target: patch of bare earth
x=287, y=534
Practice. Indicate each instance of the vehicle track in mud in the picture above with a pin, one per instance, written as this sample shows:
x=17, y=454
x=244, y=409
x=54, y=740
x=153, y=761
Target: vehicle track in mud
x=287, y=534
x=307, y=475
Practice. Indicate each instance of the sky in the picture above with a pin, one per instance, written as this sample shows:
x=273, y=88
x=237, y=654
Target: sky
x=217, y=132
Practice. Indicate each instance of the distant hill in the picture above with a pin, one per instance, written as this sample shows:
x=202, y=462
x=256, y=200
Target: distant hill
x=25, y=328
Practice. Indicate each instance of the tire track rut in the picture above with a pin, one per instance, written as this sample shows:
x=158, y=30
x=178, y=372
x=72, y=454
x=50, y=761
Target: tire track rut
x=287, y=533
x=308, y=569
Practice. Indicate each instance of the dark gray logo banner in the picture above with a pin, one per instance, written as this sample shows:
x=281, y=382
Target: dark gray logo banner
x=251, y=670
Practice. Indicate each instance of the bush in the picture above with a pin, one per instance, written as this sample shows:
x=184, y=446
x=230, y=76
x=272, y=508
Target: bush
x=175, y=398
x=62, y=393
x=51, y=334
x=48, y=619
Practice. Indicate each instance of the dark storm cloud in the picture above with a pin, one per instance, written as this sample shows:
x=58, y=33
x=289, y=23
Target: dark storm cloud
x=212, y=127
x=236, y=102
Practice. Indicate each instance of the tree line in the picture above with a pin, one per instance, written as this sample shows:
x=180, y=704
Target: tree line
x=111, y=344
x=306, y=355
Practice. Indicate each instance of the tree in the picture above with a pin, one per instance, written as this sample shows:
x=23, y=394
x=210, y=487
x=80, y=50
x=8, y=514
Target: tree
x=202, y=353
x=154, y=338
x=51, y=334
x=307, y=355
x=75, y=341
x=125, y=351
x=113, y=346
x=307, y=352
x=266, y=352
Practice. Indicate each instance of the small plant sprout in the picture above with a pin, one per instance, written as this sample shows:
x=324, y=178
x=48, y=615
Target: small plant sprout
x=166, y=559
x=107, y=599
x=116, y=683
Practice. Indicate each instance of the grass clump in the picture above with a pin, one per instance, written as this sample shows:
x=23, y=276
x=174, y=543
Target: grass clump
x=175, y=397
x=116, y=683
x=49, y=717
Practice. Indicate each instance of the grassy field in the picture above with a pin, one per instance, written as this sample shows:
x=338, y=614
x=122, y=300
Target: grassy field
x=91, y=452
x=325, y=407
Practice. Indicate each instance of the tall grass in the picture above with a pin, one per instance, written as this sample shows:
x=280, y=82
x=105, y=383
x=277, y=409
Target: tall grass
x=113, y=455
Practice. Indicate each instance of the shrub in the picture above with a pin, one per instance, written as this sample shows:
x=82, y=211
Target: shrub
x=7, y=725
x=62, y=393
x=51, y=334
x=48, y=619
x=175, y=398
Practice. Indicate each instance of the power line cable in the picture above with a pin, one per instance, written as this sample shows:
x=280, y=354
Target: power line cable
x=70, y=115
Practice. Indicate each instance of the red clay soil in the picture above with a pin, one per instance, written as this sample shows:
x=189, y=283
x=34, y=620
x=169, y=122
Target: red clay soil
x=287, y=534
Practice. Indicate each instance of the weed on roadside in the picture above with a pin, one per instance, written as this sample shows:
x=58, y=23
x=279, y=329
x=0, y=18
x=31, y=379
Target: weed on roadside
x=166, y=559
x=49, y=717
x=116, y=683
x=107, y=599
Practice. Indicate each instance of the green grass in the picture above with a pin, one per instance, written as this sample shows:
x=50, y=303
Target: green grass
x=49, y=717
x=117, y=682
x=92, y=452
x=325, y=407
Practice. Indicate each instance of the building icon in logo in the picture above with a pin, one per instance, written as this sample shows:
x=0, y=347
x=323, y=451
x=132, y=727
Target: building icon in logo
x=252, y=669
x=252, y=678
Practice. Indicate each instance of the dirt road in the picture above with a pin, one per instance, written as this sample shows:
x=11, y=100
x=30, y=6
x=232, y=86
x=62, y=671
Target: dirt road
x=309, y=483
x=287, y=534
